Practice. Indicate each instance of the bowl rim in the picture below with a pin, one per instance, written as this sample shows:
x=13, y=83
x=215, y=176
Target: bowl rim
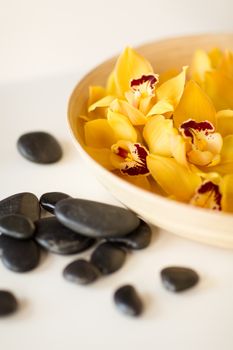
x=208, y=213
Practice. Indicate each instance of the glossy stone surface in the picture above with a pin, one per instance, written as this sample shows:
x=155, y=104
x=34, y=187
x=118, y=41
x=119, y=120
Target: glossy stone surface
x=58, y=239
x=17, y=226
x=50, y=199
x=95, y=219
x=128, y=301
x=24, y=203
x=8, y=303
x=2, y=243
x=20, y=255
x=140, y=238
x=177, y=279
x=39, y=147
x=108, y=258
x=81, y=272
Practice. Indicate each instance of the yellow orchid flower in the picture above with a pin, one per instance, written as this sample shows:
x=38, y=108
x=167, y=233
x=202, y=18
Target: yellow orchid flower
x=142, y=92
x=226, y=64
x=130, y=65
x=99, y=134
x=139, y=181
x=102, y=103
x=206, y=144
x=176, y=180
x=207, y=196
x=129, y=158
x=225, y=122
x=135, y=116
x=157, y=134
x=194, y=104
x=201, y=64
x=215, y=194
x=101, y=156
x=121, y=126
x=219, y=88
x=227, y=193
x=226, y=164
x=190, y=145
x=96, y=93
x=169, y=94
x=215, y=56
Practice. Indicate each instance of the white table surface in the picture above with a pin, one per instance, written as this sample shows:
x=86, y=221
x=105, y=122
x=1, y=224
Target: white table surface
x=45, y=47
x=55, y=314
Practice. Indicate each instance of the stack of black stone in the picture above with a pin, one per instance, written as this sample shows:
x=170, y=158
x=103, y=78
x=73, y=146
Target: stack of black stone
x=74, y=225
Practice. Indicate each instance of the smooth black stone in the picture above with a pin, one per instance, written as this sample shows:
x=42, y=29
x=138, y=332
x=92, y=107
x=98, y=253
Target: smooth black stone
x=177, y=279
x=108, y=258
x=4, y=242
x=95, y=219
x=20, y=255
x=140, y=238
x=24, y=203
x=58, y=239
x=50, y=199
x=17, y=226
x=39, y=147
x=81, y=272
x=128, y=301
x=8, y=303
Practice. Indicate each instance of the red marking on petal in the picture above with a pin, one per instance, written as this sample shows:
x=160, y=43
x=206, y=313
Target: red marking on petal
x=187, y=127
x=141, y=152
x=150, y=79
x=137, y=166
x=121, y=152
x=209, y=186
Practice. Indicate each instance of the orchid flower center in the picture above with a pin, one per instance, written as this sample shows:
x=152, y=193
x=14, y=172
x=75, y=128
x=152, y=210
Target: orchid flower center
x=144, y=86
x=133, y=160
x=208, y=196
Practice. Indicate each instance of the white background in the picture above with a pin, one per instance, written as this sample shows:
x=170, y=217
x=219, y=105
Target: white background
x=45, y=47
x=39, y=37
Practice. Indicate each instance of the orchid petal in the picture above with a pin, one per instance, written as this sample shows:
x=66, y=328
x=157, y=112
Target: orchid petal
x=227, y=149
x=101, y=156
x=96, y=93
x=219, y=88
x=130, y=65
x=226, y=65
x=139, y=181
x=226, y=164
x=103, y=102
x=135, y=116
x=175, y=179
x=161, y=107
x=194, y=104
x=178, y=149
x=168, y=74
x=215, y=56
x=200, y=64
x=227, y=193
x=111, y=85
x=225, y=122
x=157, y=134
x=99, y=134
x=170, y=93
x=121, y=126
x=200, y=158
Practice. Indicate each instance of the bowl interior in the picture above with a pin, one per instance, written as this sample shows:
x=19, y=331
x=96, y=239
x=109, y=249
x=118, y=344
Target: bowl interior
x=198, y=224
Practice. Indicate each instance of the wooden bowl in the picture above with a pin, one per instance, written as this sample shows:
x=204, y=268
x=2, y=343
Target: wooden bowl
x=202, y=225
